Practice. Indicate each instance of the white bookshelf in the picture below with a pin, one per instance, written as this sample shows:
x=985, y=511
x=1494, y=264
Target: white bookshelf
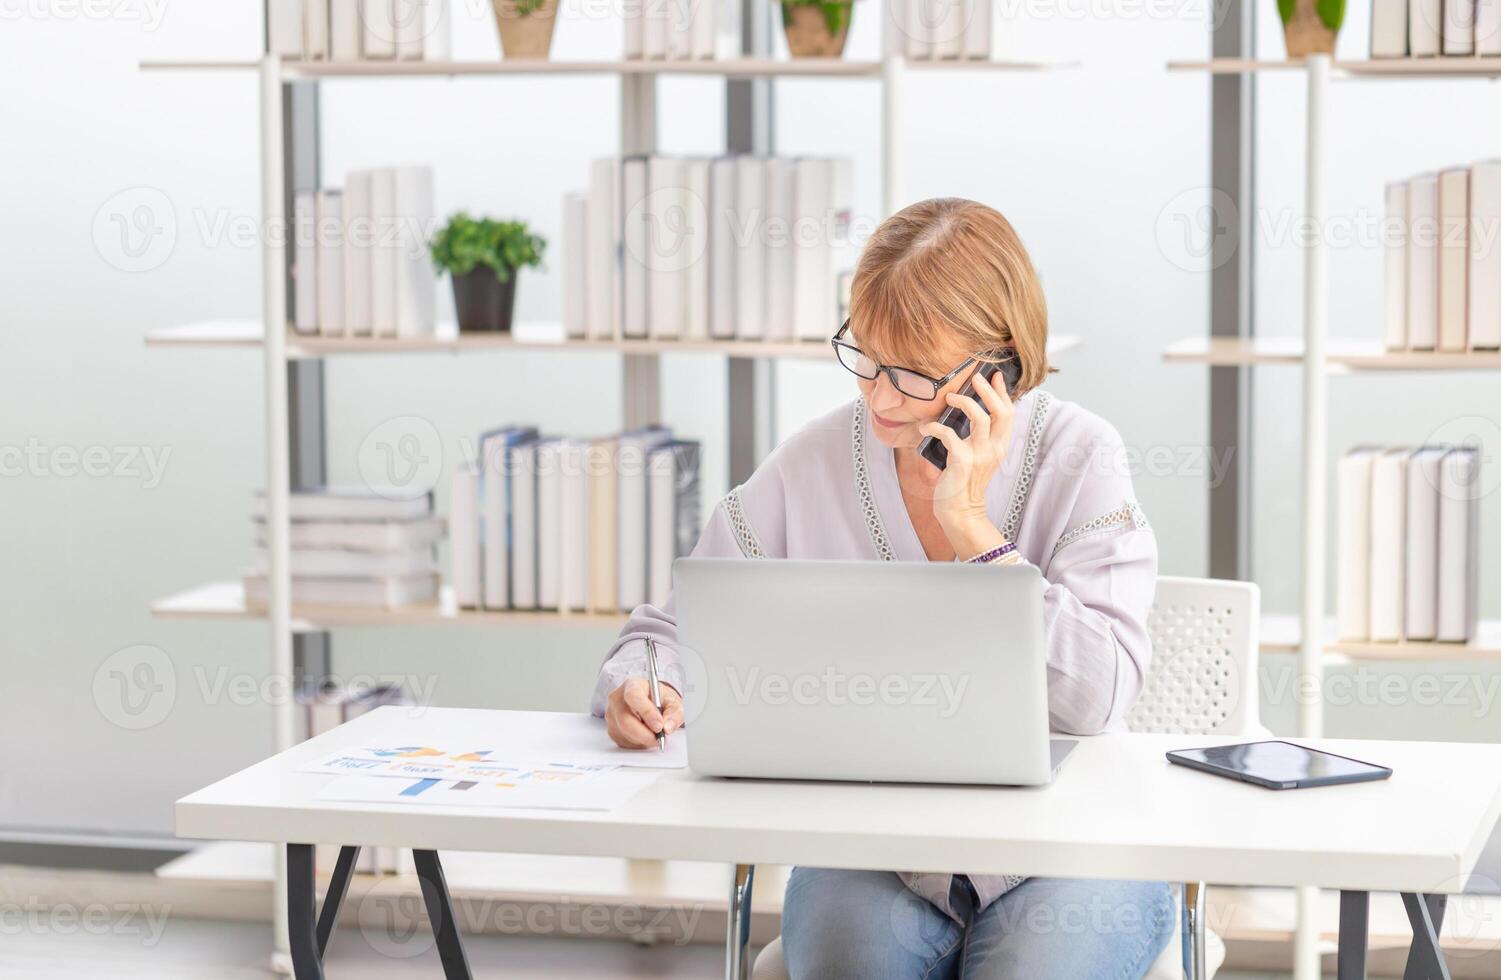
x=294, y=71
x=211, y=334
x=1445, y=67
x=1341, y=355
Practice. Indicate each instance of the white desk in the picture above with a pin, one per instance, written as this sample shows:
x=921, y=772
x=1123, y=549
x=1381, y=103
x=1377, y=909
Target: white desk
x=1116, y=810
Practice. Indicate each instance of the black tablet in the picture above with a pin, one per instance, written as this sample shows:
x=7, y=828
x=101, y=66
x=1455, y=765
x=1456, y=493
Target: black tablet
x=1278, y=765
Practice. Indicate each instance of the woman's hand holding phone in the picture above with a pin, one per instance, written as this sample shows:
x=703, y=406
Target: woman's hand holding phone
x=633, y=721
x=959, y=494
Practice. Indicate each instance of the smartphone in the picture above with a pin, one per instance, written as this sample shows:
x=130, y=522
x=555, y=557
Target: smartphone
x=1010, y=369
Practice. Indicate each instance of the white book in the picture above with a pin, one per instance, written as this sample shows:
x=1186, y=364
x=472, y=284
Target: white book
x=437, y=30
x=575, y=247
x=378, y=37
x=977, y=17
x=573, y=541
x=922, y=17
x=631, y=486
x=666, y=257
x=409, y=20
x=304, y=262
x=1487, y=27
x=636, y=310
x=1458, y=546
x=464, y=536
x=497, y=509
x=604, y=262
x=823, y=213
x=329, y=232
x=604, y=511
x=385, y=251
x=549, y=522
x=696, y=249
x=894, y=27
x=723, y=252
x=338, y=563
x=1422, y=262
x=423, y=532
x=414, y=284
x=672, y=522
x=748, y=222
x=1394, y=242
x=523, y=469
x=315, y=29
x=781, y=218
x=1389, y=28
x=284, y=27
x=948, y=28
x=633, y=14
x=344, y=30
x=350, y=503
x=705, y=32
x=1453, y=258
x=359, y=236
x=1425, y=20
x=1420, y=619
x=1459, y=27
x=386, y=593
x=1484, y=317
x=680, y=27
x=1353, y=571
x=656, y=28
x=1388, y=544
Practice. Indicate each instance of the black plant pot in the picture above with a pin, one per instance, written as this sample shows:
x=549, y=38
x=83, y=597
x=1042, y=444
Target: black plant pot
x=483, y=302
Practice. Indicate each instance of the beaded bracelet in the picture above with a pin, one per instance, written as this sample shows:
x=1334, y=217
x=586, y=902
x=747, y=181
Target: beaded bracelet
x=1003, y=554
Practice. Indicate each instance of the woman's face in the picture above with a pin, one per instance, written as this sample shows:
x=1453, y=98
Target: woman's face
x=895, y=417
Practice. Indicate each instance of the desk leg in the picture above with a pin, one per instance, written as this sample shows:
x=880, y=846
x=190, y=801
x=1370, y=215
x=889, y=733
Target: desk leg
x=440, y=913
x=302, y=913
x=338, y=887
x=1425, y=960
x=737, y=940
x=1354, y=930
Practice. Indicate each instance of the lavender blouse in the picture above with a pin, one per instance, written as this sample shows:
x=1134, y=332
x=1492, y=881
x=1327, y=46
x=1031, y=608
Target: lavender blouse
x=1063, y=495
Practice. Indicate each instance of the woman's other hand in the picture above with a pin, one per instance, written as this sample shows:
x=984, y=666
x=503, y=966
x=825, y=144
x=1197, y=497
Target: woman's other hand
x=633, y=721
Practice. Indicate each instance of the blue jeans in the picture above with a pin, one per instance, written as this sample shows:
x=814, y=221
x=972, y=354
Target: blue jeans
x=866, y=925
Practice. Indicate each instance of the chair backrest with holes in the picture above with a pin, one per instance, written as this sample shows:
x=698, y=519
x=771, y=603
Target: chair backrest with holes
x=1203, y=678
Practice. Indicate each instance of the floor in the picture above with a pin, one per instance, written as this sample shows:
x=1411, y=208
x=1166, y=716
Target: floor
x=192, y=950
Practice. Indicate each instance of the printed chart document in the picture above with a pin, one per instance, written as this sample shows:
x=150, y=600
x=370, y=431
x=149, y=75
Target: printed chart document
x=525, y=787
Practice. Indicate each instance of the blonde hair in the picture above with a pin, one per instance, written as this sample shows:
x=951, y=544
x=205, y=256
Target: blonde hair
x=949, y=266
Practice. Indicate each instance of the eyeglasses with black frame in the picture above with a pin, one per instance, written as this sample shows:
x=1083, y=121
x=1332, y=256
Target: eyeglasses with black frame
x=913, y=384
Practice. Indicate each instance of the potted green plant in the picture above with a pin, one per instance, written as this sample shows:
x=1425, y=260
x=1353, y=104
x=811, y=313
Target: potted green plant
x=525, y=26
x=1310, y=26
x=483, y=256
x=816, y=28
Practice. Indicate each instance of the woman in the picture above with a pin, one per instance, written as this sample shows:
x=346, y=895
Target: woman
x=943, y=283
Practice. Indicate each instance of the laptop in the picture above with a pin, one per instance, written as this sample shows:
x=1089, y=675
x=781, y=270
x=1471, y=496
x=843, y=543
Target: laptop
x=865, y=671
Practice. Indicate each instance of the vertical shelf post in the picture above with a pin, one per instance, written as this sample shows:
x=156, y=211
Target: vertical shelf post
x=893, y=70
x=1306, y=964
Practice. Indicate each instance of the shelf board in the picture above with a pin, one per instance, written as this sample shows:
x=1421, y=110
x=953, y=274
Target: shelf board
x=1344, y=354
x=1280, y=634
x=1455, y=67
x=226, y=601
x=247, y=333
x=720, y=68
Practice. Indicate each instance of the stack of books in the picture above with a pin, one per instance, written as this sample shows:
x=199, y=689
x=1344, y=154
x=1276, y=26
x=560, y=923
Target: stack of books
x=671, y=30
x=354, y=546
x=690, y=248
x=360, y=261
x=547, y=522
x=1443, y=260
x=1408, y=544
x=922, y=30
x=1427, y=28
x=326, y=706
x=359, y=30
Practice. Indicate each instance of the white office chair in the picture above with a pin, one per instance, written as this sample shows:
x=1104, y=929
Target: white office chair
x=1202, y=681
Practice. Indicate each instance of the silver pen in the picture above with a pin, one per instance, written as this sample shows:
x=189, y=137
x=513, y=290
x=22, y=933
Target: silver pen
x=656, y=689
